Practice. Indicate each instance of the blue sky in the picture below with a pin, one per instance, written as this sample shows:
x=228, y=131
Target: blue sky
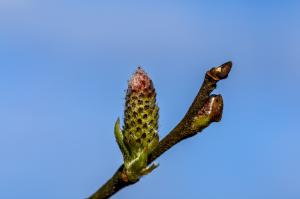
x=64, y=67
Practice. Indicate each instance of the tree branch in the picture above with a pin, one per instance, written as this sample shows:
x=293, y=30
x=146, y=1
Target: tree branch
x=205, y=109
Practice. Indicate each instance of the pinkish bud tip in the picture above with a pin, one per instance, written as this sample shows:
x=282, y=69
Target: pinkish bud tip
x=139, y=81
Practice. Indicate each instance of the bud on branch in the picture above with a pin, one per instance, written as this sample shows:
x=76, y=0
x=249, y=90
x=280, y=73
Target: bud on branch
x=140, y=134
x=139, y=142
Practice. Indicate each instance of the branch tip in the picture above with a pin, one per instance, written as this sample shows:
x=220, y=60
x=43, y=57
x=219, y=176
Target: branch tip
x=220, y=72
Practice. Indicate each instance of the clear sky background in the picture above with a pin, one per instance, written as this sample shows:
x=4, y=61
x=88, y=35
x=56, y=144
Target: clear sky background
x=64, y=67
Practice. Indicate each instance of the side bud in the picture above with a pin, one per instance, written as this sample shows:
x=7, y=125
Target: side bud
x=210, y=112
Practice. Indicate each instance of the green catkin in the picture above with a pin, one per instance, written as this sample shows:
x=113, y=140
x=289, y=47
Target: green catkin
x=140, y=131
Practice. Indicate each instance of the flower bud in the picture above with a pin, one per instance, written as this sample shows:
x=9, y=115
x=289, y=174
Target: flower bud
x=210, y=112
x=140, y=131
x=141, y=113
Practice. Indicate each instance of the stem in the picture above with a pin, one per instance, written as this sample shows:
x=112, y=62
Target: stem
x=182, y=131
x=115, y=183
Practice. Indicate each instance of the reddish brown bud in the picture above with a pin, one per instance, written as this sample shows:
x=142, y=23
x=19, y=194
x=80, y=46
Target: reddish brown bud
x=220, y=72
x=213, y=108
